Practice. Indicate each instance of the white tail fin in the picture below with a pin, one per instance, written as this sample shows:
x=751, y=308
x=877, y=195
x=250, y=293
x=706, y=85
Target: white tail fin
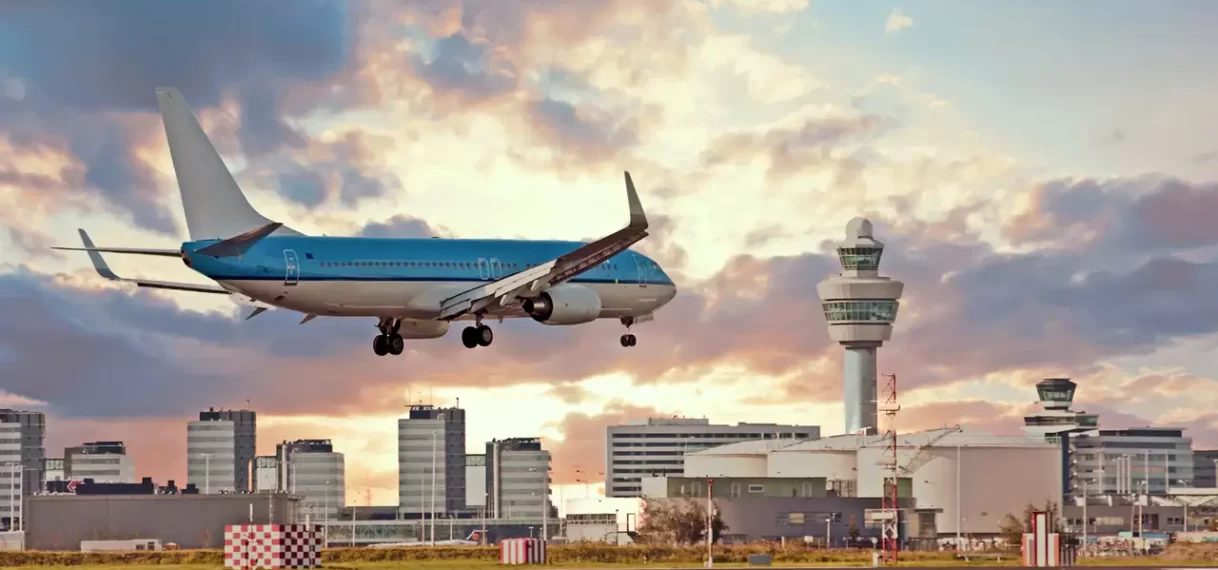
x=215, y=206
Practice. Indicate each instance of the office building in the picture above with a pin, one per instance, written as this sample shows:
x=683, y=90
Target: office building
x=101, y=461
x=10, y=474
x=30, y=428
x=220, y=450
x=427, y=437
x=657, y=447
x=476, y=490
x=860, y=307
x=314, y=472
x=266, y=474
x=1136, y=461
x=518, y=479
x=1057, y=424
x=1205, y=467
x=53, y=469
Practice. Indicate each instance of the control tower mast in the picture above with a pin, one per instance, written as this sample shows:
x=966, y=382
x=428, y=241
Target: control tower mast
x=860, y=307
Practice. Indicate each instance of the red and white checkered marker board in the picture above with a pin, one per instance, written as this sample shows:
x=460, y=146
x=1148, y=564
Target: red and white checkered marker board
x=522, y=551
x=273, y=546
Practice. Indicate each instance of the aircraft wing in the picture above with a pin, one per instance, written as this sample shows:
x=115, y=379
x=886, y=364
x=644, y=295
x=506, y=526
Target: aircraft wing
x=104, y=270
x=539, y=278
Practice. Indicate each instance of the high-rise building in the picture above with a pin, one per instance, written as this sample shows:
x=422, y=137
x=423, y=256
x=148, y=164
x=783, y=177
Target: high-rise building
x=10, y=474
x=517, y=478
x=427, y=437
x=220, y=450
x=101, y=461
x=266, y=473
x=656, y=447
x=30, y=430
x=860, y=307
x=311, y=469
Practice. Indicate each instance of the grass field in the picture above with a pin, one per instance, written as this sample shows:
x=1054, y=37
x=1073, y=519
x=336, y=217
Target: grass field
x=573, y=556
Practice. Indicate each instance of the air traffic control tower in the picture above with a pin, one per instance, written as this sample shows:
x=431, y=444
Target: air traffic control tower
x=860, y=307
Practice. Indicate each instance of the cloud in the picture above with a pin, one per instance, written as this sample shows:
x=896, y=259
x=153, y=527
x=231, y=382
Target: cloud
x=897, y=21
x=401, y=226
x=753, y=7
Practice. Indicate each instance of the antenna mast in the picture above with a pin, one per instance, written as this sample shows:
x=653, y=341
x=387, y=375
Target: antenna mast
x=890, y=510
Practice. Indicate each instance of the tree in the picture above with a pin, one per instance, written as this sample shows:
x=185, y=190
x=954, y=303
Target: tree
x=1012, y=528
x=677, y=521
x=852, y=528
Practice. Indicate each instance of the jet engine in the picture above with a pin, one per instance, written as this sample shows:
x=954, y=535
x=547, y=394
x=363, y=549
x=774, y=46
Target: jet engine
x=565, y=304
x=422, y=329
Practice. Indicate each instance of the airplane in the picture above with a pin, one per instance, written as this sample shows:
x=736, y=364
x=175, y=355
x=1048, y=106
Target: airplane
x=415, y=288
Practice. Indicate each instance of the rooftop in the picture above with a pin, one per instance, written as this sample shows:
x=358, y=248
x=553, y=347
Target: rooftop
x=965, y=438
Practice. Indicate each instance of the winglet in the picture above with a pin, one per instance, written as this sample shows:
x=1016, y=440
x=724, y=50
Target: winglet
x=638, y=220
x=99, y=263
x=234, y=246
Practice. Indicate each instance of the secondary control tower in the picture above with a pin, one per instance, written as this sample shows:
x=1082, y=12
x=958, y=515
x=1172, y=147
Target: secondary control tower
x=860, y=307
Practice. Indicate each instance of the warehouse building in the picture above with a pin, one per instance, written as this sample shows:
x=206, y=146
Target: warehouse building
x=953, y=472
x=61, y=522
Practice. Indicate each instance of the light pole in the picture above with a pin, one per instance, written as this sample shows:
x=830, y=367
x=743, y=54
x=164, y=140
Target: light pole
x=433, y=487
x=206, y=473
x=545, y=502
x=710, y=556
x=959, y=508
x=828, y=532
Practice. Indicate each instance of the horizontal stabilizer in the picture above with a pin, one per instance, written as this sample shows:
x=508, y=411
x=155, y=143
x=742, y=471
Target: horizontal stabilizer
x=99, y=264
x=126, y=250
x=234, y=246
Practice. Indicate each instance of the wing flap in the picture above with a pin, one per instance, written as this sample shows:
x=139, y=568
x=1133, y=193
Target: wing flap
x=553, y=272
x=99, y=265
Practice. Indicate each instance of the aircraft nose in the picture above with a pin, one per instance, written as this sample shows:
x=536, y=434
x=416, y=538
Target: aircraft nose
x=670, y=294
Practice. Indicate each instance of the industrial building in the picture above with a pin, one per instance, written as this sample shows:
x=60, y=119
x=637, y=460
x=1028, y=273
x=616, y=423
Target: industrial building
x=951, y=471
x=220, y=449
x=61, y=522
x=312, y=470
x=860, y=307
x=431, y=438
x=658, y=446
x=101, y=461
x=518, y=479
x=1146, y=460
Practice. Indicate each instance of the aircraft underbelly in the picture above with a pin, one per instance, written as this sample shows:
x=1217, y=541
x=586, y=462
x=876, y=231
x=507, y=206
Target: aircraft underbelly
x=417, y=300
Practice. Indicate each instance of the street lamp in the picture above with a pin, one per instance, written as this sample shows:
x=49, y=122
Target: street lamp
x=433, y=487
x=206, y=473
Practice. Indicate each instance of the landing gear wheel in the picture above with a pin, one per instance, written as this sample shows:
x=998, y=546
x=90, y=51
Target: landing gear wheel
x=380, y=345
x=628, y=340
x=485, y=335
x=469, y=337
x=396, y=345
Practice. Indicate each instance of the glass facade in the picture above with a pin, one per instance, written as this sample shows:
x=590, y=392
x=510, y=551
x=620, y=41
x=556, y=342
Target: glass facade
x=860, y=257
x=870, y=310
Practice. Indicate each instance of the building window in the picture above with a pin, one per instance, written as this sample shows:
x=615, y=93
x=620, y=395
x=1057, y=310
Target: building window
x=756, y=488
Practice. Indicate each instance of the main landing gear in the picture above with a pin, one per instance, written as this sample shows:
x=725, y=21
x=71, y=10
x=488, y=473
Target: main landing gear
x=389, y=341
x=628, y=339
x=477, y=335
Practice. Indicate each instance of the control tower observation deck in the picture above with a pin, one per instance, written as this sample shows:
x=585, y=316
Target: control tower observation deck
x=860, y=307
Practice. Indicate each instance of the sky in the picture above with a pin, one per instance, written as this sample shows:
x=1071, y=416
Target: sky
x=1041, y=173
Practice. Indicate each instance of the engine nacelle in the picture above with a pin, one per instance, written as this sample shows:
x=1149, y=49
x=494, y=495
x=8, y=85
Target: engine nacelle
x=565, y=304
x=422, y=329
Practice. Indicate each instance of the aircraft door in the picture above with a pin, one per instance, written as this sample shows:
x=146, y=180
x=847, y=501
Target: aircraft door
x=642, y=266
x=496, y=268
x=484, y=269
x=291, y=265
